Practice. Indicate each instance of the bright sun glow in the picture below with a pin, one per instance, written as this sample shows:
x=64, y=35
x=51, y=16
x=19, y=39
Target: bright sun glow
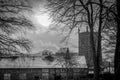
x=43, y=19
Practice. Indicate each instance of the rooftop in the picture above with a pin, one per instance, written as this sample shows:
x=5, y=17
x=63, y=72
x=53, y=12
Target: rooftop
x=33, y=61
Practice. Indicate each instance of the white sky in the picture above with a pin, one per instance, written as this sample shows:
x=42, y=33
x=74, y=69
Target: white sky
x=42, y=36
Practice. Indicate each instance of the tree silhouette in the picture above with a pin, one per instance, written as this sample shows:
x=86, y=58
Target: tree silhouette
x=12, y=21
x=72, y=14
x=66, y=58
x=117, y=50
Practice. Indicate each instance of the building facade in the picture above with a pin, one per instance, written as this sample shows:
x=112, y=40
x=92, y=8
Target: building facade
x=85, y=47
x=36, y=68
x=42, y=73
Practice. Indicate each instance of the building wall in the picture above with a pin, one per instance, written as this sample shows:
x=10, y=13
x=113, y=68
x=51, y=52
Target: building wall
x=41, y=73
x=85, y=47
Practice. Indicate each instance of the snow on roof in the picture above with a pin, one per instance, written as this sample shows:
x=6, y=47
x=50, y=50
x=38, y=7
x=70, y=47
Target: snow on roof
x=38, y=62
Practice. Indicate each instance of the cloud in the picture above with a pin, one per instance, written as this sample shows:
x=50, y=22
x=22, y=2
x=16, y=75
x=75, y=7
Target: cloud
x=51, y=40
x=42, y=45
x=48, y=44
x=42, y=37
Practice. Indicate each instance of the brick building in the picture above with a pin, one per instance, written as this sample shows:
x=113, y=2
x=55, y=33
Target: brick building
x=85, y=47
x=36, y=68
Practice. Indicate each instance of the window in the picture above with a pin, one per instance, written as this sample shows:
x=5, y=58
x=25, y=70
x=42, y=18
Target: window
x=7, y=76
x=52, y=71
x=45, y=76
x=63, y=70
x=58, y=71
x=36, y=78
x=22, y=76
x=76, y=70
x=45, y=70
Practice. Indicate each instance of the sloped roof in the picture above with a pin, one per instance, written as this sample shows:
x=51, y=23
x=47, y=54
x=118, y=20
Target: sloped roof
x=38, y=62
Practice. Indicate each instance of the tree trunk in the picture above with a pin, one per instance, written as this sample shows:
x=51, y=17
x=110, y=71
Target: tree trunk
x=92, y=43
x=99, y=54
x=117, y=50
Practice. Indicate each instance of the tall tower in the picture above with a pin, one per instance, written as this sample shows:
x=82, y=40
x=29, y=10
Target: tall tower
x=85, y=47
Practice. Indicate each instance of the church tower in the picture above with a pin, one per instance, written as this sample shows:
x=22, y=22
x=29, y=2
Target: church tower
x=85, y=47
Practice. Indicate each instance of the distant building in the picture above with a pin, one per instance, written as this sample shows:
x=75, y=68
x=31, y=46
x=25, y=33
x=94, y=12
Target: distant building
x=27, y=68
x=85, y=47
x=63, y=50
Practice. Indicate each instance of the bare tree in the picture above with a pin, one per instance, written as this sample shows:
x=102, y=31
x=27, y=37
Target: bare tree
x=76, y=13
x=66, y=58
x=12, y=21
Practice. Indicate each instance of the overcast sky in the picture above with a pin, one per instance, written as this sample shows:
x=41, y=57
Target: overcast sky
x=43, y=37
